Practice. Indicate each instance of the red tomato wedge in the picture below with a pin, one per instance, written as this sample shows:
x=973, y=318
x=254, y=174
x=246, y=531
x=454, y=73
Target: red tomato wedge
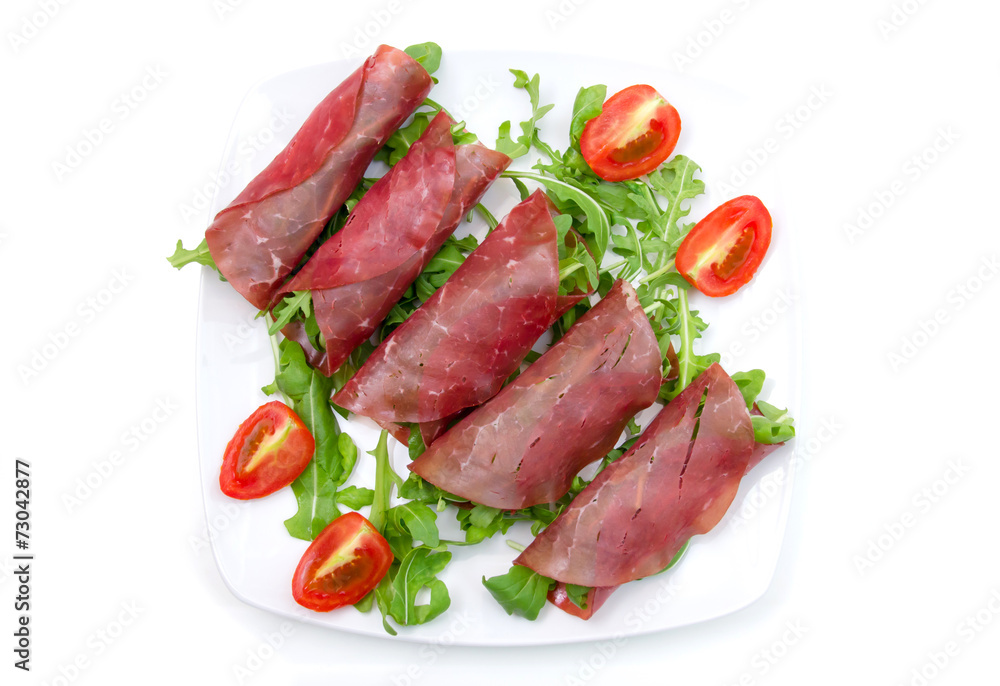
x=722, y=252
x=635, y=132
x=340, y=567
x=269, y=451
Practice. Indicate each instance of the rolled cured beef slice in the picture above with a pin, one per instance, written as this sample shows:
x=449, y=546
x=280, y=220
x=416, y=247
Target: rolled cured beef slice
x=637, y=513
x=524, y=446
x=393, y=232
x=459, y=347
x=596, y=596
x=262, y=235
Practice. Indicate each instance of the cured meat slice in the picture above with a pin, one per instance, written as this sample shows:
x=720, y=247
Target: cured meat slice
x=262, y=235
x=525, y=445
x=459, y=347
x=362, y=271
x=678, y=480
x=596, y=597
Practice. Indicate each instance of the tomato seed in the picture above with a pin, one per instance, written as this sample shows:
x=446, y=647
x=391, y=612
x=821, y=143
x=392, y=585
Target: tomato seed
x=638, y=148
x=736, y=256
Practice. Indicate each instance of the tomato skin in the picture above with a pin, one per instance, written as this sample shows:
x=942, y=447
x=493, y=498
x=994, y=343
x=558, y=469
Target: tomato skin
x=346, y=561
x=270, y=450
x=723, y=251
x=635, y=132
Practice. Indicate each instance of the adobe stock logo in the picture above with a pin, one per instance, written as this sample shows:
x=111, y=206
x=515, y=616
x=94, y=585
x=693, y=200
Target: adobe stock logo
x=32, y=24
x=366, y=35
x=87, y=311
x=922, y=502
x=955, y=300
x=122, y=107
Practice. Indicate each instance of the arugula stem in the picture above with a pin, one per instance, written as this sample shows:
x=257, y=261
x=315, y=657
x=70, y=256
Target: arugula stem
x=276, y=354
x=569, y=270
x=383, y=482
x=651, y=198
x=665, y=269
x=436, y=106
x=616, y=265
x=598, y=223
x=488, y=216
x=685, y=368
x=516, y=546
x=544, y=147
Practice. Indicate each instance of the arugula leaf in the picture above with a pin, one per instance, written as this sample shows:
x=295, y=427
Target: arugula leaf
x=508, y=145
x=415, y=446
x=675, y=181
x=588, y=104
x=396, y=595
x=201, y=255
x=775, y=426
x=690, y=365
x=481, y=522
x=355, y=498
x=570, y=199
x=348, y=369
x=483, y=515
x=542, y=516
x=521, y=591
x=299, y=304
x=750, y=383
x=519, y=147
x=398, y=144
x=333, y=461
x=577, y=268
x=416, y=488
x=428, y=55
x=316, y=339
x=677, y=556
x=385, y=479
x=418, y=520
x=578, y=595
x=439, y=269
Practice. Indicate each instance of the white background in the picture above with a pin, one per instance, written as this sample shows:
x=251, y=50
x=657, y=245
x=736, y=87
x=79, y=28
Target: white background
x=124, y=589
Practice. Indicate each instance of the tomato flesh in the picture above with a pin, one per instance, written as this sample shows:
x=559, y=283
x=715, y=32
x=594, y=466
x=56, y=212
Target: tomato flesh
x=270, y=450
x=723, y=251
x=639, y=148
x=635, y=132
x=346, y=561
x=737, y=256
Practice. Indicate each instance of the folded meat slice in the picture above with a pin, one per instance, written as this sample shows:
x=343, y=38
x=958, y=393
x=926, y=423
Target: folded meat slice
x=262, y=235
x=393, y=232
x=596, y=597
x=459, y=347
x=525, y=445
x=678, y=480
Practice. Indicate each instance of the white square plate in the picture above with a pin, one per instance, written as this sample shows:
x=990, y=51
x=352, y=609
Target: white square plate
x=722, y=571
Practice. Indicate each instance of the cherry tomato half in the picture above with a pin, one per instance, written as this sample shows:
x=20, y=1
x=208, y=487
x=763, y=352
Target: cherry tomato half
x=723, y=250
x=635, y=132
x=340, y=567
x=269, y=451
